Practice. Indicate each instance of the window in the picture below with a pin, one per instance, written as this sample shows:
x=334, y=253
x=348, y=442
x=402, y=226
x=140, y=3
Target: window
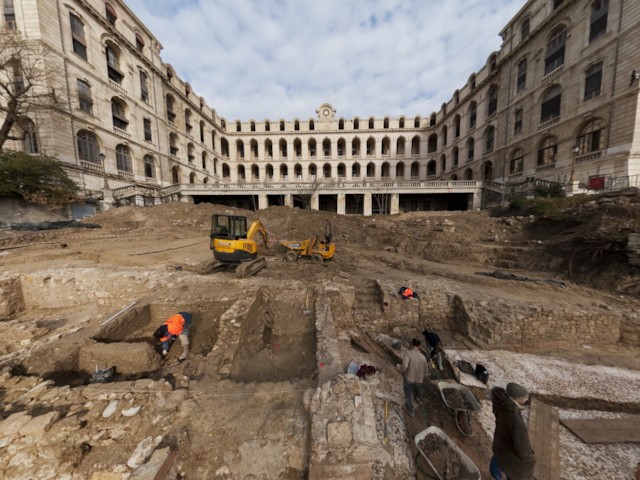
x=517, y=121
x=312, y=125
x=547, y=152
x=557, y=3
x=252, y=126
x=147, y=129
x=110, y=13
x=171, y=115
x=341, y=124
x=599, y=13
x=139, y=42
x=281, y=126
x=554, y=58
x=77, y=36
x=356, y=124
x=123, y=158
x=149, y=167
x=550, y=107
x=490, y=139
x=593, y=81
x=173, y=144
x=267, y=126
x=521, y=83
x=516, y=164
x=470, y=149
x=473, y=113
x=84, y=96
x=432, y=120
x=88, y=147
x=371, y=123
x=492, y=106
x=118, y=114
x=9, y=15
x=191, y=156
x=296, y=125
x=385, y=123
x=18, y=78
x=456, y=156
x=31, y=144
x=416, y=122
x=456, y=126
x=591, y=136
x=401, y=123
x=113, y=64
x=524, y=29
x=144, y=87
x=187, y=120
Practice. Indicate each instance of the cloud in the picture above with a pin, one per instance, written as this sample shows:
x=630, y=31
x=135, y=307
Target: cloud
x=277, y=59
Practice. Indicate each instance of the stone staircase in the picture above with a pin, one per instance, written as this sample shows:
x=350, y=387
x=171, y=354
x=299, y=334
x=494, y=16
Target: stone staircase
x=367, y=307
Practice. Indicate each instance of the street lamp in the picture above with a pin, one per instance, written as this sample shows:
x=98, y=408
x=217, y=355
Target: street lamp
x=574, y=150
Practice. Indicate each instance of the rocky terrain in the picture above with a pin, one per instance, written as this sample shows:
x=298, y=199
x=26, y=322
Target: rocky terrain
x=264, y=393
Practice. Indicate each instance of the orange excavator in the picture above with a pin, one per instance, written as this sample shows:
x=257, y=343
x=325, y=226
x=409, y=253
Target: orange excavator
x=234, y=246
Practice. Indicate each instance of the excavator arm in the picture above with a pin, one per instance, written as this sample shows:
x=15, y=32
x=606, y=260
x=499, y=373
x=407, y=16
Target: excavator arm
x=257, y=227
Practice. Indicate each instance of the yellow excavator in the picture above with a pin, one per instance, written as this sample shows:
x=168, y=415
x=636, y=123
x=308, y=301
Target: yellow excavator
x=234, y=246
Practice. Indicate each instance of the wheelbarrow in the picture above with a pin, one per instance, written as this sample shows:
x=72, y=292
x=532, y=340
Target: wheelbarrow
x=444, y=457
x=466, y=404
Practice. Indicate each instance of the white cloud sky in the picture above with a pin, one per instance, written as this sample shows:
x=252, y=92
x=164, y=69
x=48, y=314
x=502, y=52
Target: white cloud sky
x=259, y=59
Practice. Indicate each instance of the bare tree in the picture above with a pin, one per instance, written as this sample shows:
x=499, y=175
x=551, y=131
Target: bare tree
x=27, y=84
x=305, y=195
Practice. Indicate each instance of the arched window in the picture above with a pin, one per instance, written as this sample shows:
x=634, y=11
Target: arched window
x=282, y=147
x=400, y=170
x=371, y=146
x=313, y=171
x=456, y=126
x=123, y=159
x=371, y=123
x=456, y=156
x=326, y=170
x=268, y=171
x=255, y=173
x=140, y=43
x=268, y=148
x=550, y=107
x=226, y=171
x=171, y=114
x=385, y=170
x=238, y=126
x=487, y=170
x=416, y=122
x=432, y=143
x=284, y=172
x=547, y=152
x=342, y=147
x=342, y=170
x=591, y=138
x=431, y=168
x=252, y=126
x=468, y=174
x=385, y=123
x=524, y=29
x=400, y=147
x=386, y=146
x=415, y=145
x=401, y=122
x=326, y=147
x=355, y=170
x=432, y=120
x=110, y=13
x=88, y=147
x=415, y=170
x=444, y=135
x=341, y=124
x=355, y=147
x=356, y=123
x=473, y=114
x=77, y=36
x=30, y=140
x=282, y=125
x=240, y=149
x=224, y=147
x=191, y=153
x=149, y=167
x=312, y=125
x=312, y=147
x=443, y=163
x=203, y=156
x=187, y=120
x=371, y=170
x=253, y=145
x=201, y=131
x=192, y=178
x=113, y=63
x=297, y=171
x=554, y=57
x=492, y=105
x=118, y=114
x=176, y=175
x=516, y=164
x=297, y=148
x=267, y=126
x=489, y=138
x=471, y=143
x=242, y=176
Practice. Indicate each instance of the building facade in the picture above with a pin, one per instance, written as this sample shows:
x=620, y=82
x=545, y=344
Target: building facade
x=557, y=102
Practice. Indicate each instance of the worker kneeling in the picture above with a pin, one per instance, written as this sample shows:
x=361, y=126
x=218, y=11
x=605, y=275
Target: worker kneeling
x=177, y=325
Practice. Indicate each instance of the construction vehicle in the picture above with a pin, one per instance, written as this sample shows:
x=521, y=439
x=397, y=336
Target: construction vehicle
x=234, y=246
x=318, y=250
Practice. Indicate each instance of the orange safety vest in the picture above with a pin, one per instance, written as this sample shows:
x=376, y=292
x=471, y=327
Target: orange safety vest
x=407, y=293
x=175, y=326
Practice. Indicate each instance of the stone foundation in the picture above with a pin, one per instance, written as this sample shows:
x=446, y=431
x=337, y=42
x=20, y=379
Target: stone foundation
x=11, y=299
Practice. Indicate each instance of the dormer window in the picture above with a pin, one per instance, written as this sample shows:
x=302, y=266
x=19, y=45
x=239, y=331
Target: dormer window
x=110, y=13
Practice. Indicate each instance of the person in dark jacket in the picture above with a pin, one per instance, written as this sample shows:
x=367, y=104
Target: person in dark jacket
x=513, y=458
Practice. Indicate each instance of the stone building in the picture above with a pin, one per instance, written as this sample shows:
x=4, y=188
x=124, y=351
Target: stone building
x=557, y=102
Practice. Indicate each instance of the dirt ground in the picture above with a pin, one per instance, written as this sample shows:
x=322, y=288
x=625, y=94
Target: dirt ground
x=237, y=408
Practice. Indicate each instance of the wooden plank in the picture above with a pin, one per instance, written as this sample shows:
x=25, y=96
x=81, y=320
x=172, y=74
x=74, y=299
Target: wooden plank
x=605, y=430
x=544, y=433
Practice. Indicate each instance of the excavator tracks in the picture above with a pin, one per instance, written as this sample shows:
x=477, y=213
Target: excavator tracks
x=250, y=267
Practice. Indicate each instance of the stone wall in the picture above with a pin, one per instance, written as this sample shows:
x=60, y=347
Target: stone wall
x=14, y=211
x=499, y=323
x=11, y=300
x=633, y=249
x=630, y=329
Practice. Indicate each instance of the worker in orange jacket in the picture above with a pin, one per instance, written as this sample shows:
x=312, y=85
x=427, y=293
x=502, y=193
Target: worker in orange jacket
x=177, y=325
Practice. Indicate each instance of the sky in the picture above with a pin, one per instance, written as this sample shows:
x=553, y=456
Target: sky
x=282, y=59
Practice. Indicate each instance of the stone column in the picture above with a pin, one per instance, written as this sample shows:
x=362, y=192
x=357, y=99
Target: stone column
x=263, y=201
x=342, y=204
x=315, y=201
x=288, y=200
x=394, y=208
x=367, y=207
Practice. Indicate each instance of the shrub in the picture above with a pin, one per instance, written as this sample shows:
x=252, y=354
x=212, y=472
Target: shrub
x=36, y=179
